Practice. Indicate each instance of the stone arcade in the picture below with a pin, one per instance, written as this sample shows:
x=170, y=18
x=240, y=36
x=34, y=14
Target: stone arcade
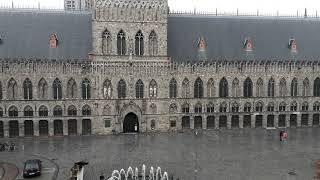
x=131, y=66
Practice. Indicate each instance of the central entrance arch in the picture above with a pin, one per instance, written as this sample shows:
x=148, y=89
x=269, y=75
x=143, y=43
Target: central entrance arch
x=131, y=123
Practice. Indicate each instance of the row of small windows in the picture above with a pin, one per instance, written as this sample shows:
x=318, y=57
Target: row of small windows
x=43, y=111
x=173, y=88
x=235, y=107
x=122, y=44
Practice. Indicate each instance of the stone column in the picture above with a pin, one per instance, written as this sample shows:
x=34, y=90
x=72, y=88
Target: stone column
x=21, y=128
x=204, y=122
x=287, y=120
x=276, y=120
x=65, y=127
x=216, y=121
x=6, y=128
x=240, y=121
x=79, y=126
x=229, y=121
x=310, y=119
x=264, y=120
x=299, y=119
x=191, y=122
x=36, y=127
x=50, y=127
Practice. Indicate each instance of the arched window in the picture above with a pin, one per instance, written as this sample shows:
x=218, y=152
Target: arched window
x=153, y=44
x=270, y=107
x=121, y=43
x=12, y=89
x=235, y=107
x=27, y=89
x=185, y=88
x=259, y=90
x=223, y=87
x=139, y=50
x=271, y=88
x=57, y=89
x=42, y=89
x=106, y=43
x=316, y=106
x=316, y=87
x=198, y=108
x=306, y=87
x=235, y=87
x=153, y=88
x=139, y=89
x=72, y=111
x=173, y=88
x=294, y=106
x=86, y=110
x=122, y=88
x=1, y=112
x=210, y=108
x=173, y=108
x=13, y=111
x=0, y=90
x=57, y=111
x=153, y=108
x=305, y=106
x=28, y=111
x=259, y=106
x=107, y=110
x=247, y=107
x=282, y=106
x=294, y=87
x=72, y=89
x=247, y=88
x=107, y=89
x=283, y=88
x=210, y=88
x=43, y=111
x=198, y=88
x=223, y=107
x=185, y=108
x=86, y=89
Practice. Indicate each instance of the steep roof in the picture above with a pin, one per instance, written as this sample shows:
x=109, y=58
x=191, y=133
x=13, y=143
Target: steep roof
x=225, y=37
x=26, y=34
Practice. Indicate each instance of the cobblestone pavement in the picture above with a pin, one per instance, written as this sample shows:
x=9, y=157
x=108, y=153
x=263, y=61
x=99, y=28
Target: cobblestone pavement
x=241, y=154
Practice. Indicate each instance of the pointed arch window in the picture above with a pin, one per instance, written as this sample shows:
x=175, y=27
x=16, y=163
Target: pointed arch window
x=271, y=88
x=259, y=90
x=86, y=110
x=173, y=88
x=198, y=108
x=316, y=106
x=139, y=89
x=173, y=108
x=316, y=87
x=57, y=111
x=247, y=107
x=139, y=44
x=86, y=89
x=259, y=106
x=223, y=107
x=294, y=106
x=0, y=90
x=198, y=88
x=306, y=87
x=13, y=111
x=28, y=111
x=210, y=88
x=235, y=107
x=122, y=88
x=185, y=88
x=121, y=43
x=72, y=89
x=27, y=89
x=12, y=89
x=43, y=111
x=57, y=89
x=235, y=87
x=106, y=43
x=72, y=111
x=153, y=43
x=223, y=87
x=42, y=89
x=305, y=106
x=107, y=89
x=153, y=88
x=282, y=106
x=247, y=88
x=283, y=88
x=185, y=108
x=294, y=87
x=210, y=108
x=270, y=107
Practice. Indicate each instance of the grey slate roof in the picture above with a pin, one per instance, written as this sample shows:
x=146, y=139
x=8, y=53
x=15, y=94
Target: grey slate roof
x=26, y=34
x=225, y=36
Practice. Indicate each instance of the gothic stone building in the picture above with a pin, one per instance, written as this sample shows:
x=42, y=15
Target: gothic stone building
x=131, y=66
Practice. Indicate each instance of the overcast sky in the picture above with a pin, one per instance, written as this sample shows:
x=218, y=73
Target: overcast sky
x=248, y=6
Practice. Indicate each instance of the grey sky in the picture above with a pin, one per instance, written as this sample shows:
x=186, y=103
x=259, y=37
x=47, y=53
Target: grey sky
x=248, y=6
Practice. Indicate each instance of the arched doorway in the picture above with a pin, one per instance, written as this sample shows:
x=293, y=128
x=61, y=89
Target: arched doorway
x=131, y=123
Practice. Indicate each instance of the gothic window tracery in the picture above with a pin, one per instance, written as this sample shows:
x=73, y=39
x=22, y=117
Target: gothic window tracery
x=28, y=111
x=294, y=87
x=173, y=108
x=139, y=44
x=12, y=89
x=185, y=108
x=283, y=88
x=259, y=106
x=139, y=89
x=57, y=89
x=210, y=88
x=271, y=88
x=223, y=87
x=86, y=89
x=72, y=89
x=306, y=87
x=107, y=89
x=153, y=88
x=57, y=111
x=42, y=89
x=121, y=43
x=43, y=111
x=13, y=111
x=198, y=88
x=122, y=88
x=153, y=44
x=247, y=88
x=106, y=43
x=294, y=106
x=27, y=89
x=198, y=108
x=316, y=87
x=282, y=106
x=235, y=87
x=173, y=88
x=72, y=111
x=86, y=110
x=259, y=90
x=185, y=88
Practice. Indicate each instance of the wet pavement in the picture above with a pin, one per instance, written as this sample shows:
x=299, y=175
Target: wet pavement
x=240, y=154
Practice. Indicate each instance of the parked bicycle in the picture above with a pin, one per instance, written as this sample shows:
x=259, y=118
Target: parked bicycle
x=7, y=146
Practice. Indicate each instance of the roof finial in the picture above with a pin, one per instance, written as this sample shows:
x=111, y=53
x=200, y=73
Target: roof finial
x=305, y=13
